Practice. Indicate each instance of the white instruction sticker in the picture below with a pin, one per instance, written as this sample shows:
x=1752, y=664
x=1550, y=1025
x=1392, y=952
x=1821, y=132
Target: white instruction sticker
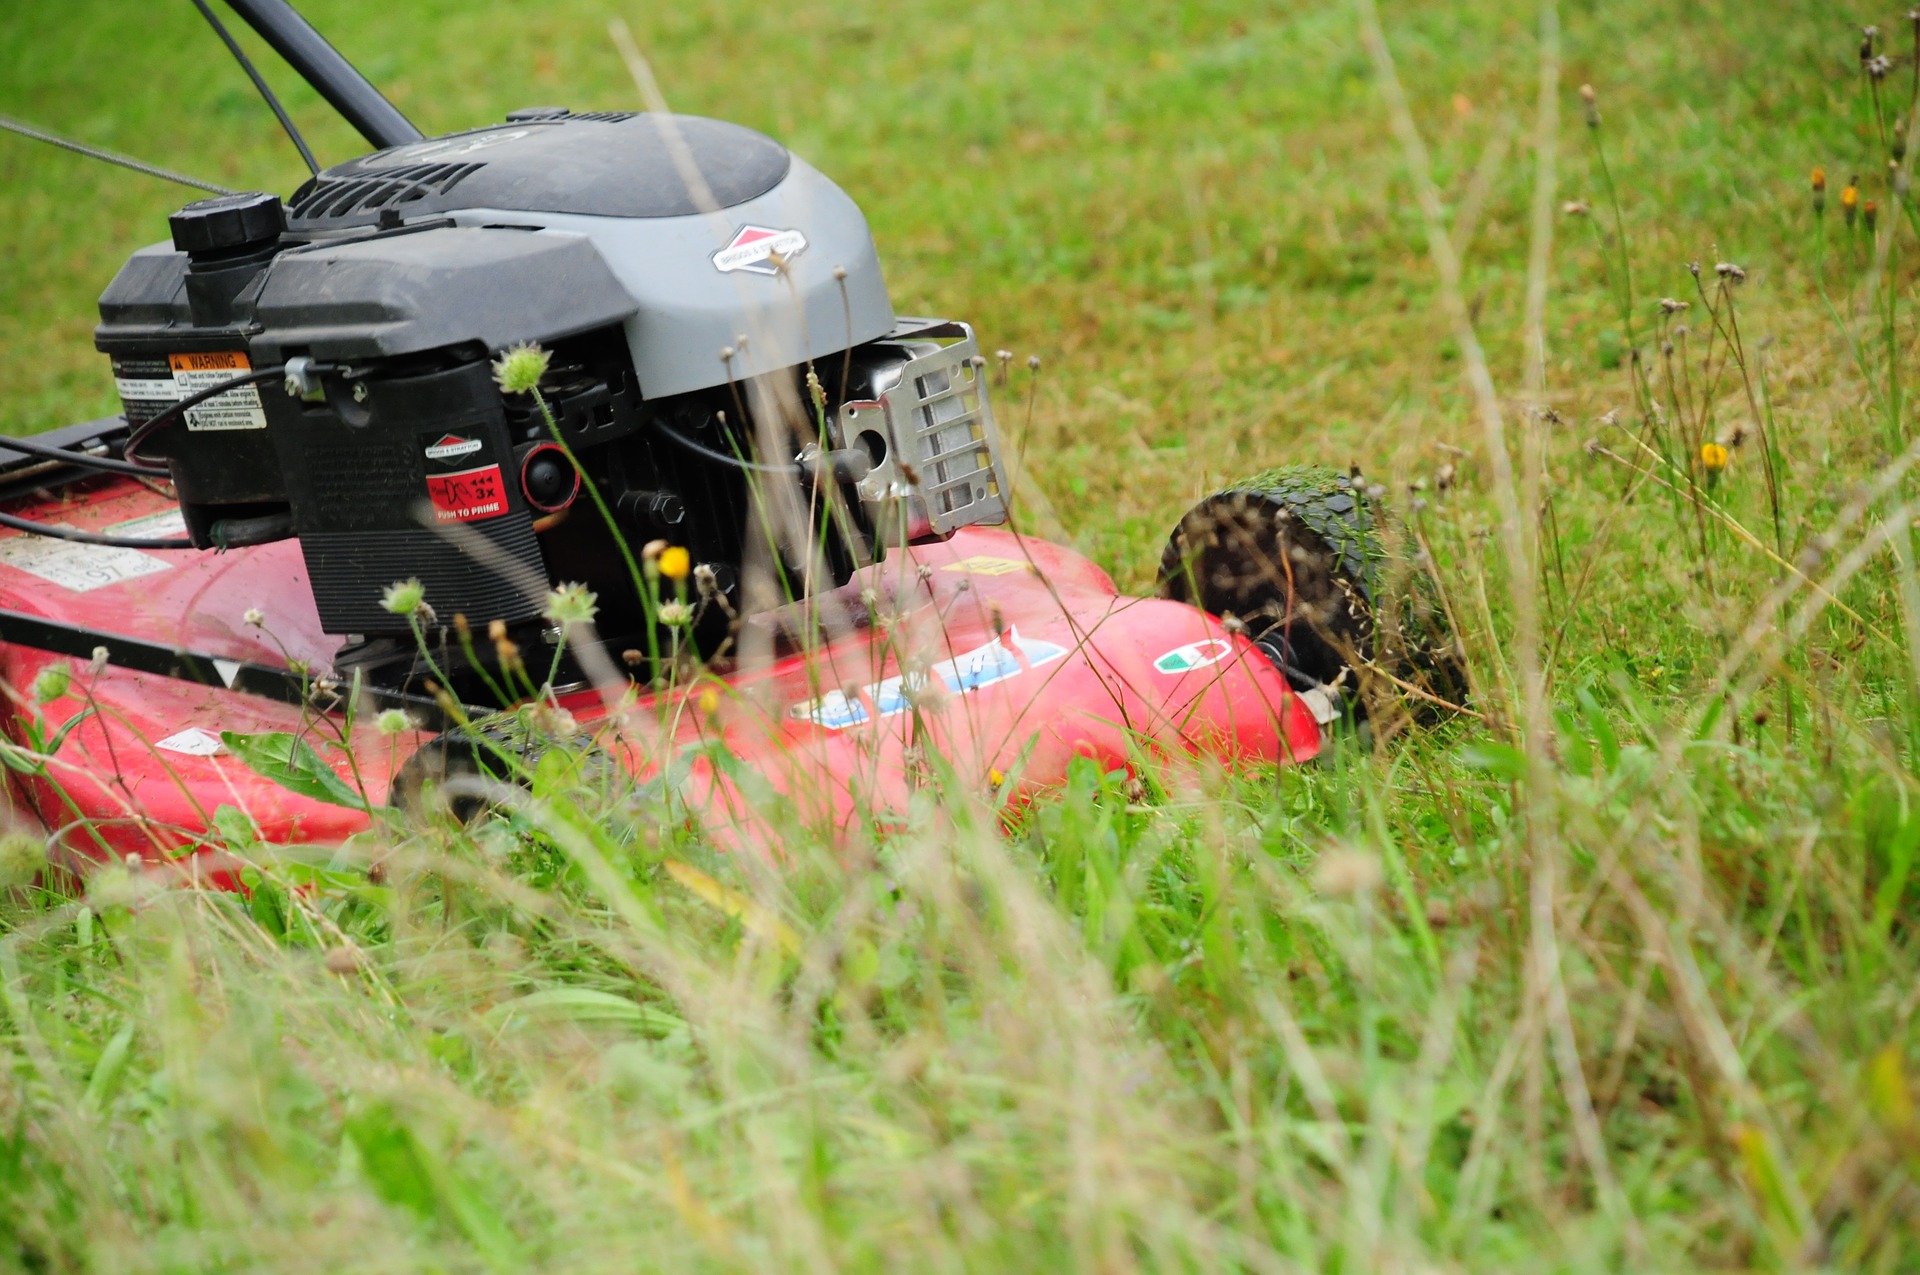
x=79, y=568
x=236, y=409
x=194, y=742
x=166, y=524
x=146, y=389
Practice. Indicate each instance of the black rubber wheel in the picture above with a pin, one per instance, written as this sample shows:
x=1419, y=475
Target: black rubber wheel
x=504, y=748
x=1297, y=555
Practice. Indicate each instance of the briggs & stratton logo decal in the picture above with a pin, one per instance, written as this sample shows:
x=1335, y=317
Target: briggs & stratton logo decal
x=753, y=247
x=451, y=445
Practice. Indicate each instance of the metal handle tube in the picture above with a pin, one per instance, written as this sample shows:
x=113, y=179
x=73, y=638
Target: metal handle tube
x=331, y=75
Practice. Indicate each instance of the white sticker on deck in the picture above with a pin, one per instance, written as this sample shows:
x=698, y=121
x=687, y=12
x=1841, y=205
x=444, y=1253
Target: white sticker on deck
x=236, y=409
x=194, y=742
x=166, y=524
x=79, y=568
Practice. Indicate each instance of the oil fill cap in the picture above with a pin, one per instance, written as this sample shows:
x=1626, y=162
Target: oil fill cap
x=227, y=225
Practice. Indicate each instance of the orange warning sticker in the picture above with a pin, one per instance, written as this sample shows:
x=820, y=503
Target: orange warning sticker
x=236, y=409
x=214, y=361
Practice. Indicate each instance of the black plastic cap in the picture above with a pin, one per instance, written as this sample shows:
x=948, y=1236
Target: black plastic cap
x=529, y=114
x=228, y=224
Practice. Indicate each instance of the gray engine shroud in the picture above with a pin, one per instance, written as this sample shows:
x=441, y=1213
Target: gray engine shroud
x=654, y=197
x=558, y=226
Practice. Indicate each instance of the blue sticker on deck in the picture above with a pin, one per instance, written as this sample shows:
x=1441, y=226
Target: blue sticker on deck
x=986, y=665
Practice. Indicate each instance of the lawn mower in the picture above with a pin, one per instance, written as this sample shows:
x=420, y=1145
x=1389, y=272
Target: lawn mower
x=596, y=431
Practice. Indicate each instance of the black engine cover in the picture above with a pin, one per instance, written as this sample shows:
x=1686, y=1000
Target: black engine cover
x=422, y=487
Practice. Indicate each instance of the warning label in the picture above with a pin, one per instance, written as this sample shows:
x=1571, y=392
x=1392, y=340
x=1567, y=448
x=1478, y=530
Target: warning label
x=468, y=496
x=238, y=409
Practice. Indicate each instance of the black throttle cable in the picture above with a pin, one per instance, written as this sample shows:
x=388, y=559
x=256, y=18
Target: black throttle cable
x=80, y=537
x=701, y=449
x=847, y=465
x=242, y=532
x=151, y=427
x=86, y=460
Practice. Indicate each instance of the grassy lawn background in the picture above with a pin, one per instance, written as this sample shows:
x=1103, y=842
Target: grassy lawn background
x=1635, y=993
x=1195, y=214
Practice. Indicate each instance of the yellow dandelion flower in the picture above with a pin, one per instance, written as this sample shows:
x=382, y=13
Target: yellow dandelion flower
x=1713, y=457
x=675, y=562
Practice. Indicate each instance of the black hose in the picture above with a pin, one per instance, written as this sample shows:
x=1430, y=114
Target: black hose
x=27, y=447
x=238, y=533
x=79, y=537
x=149, y=428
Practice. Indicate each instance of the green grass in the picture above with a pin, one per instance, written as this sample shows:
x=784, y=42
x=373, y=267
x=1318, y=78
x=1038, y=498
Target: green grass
x=1634, y=989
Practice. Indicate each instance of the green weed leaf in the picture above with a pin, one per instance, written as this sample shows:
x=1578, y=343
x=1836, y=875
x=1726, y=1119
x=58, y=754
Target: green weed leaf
x=109, y=1069
x=409, y=1173
x=1502, y=760
x=291, y=762
x=236, y=829
x=585, y=1005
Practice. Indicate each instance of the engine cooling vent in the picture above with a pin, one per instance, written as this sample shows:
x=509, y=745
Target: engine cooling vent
x=603, y=117
x=324, y=199
x=932, y=434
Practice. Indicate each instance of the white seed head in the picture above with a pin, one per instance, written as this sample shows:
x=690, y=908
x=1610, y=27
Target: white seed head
x=519, y=369
x=403, y=597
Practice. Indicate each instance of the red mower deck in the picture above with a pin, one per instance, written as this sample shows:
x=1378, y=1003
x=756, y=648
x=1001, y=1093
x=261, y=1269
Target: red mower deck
x=1020, y=656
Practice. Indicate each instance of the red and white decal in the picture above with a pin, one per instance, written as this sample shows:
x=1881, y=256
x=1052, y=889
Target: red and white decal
x=472, y=495
x=753, y=248
x=1193, y=655
x=449, y=446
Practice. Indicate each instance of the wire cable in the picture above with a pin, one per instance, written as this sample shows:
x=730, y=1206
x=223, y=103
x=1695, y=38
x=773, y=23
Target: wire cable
x=246, y=64
x=94, y=152
x=80, y=537
x=86, y=460
x=174, y=413
x=701, y=449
